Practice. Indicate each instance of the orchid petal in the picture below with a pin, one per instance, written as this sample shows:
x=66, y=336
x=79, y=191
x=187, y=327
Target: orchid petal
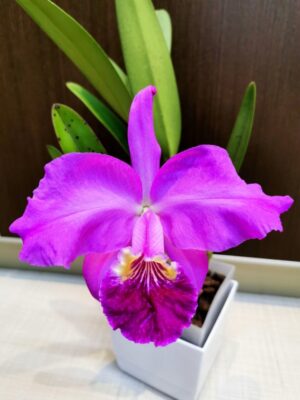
x=95, y=266
x=203, y=203
x=85, y=203
x=145, y=151
x=149, y=310
x=193, y=262
x=148, y=238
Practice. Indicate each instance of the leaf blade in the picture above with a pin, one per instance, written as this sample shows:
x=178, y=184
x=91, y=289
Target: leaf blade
x=107, y=118
x=65, y=140
x=148, y=62
x=53, y=151
x=122, y=75
x=165, y=23
x=73, y=133
x=241, y=133
x=82, y=49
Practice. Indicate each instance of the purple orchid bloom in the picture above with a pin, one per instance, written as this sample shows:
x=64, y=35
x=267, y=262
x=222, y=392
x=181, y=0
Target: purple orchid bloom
x=144, y=230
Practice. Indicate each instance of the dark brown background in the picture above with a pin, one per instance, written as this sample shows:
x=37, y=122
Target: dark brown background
x=218, y=47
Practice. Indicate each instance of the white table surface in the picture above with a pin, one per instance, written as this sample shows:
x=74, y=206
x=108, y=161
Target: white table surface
x=55, y=344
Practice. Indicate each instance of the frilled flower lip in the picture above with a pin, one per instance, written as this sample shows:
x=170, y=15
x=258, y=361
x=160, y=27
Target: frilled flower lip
x=95, y=205
x=144, y=293
x=149, y=307
x=148, y=290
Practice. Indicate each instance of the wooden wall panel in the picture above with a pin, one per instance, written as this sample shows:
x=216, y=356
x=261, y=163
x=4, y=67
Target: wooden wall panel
x=218, y=47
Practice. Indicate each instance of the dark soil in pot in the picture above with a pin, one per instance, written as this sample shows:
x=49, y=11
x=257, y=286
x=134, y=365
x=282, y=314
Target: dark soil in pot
x=211, y=285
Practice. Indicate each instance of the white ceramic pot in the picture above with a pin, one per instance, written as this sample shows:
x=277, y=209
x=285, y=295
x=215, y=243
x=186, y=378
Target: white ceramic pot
x=197, y=335
x=180, y=369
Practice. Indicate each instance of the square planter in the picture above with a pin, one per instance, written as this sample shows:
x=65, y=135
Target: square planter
x=197, y=335
x=180, y=369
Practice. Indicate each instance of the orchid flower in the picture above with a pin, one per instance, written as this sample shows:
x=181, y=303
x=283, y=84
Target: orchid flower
x=144, y=230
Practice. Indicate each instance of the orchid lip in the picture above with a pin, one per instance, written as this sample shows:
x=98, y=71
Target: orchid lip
x=150, y=299
x=147, y=269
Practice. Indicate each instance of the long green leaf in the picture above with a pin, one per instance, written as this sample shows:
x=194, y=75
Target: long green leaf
x=122, y=75
x=165, y=23
x=240, y=135
x=72, y=132
x=83, y=51
x=148, y=61
x=107, y=118
x=53, y=151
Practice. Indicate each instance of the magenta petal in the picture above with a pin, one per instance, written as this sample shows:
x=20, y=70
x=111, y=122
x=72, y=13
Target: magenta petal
x=145, y=151
x=85, y=203
x=157, y=313
x=193, y=262
x=95, y=266
x=148, y=238
x=203, y=203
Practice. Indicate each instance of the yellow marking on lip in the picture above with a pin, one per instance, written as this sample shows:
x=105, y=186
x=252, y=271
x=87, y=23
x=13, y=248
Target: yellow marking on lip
x=124, y=269
x=169, y=272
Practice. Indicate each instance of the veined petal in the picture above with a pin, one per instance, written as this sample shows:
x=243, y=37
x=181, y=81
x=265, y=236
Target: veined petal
x=145, y=151
x=203, y=203
x=149, y=301
x=85, y=203
x=193, y=262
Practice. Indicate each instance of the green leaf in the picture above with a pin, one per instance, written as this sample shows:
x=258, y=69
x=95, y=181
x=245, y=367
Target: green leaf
x=148, y=62
x=165, y=23
x=122, y=75
x=107, y=118
x=53, y=151
x=72, y=132
x=66, y=142
x=240, y=135
x=82, y=49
